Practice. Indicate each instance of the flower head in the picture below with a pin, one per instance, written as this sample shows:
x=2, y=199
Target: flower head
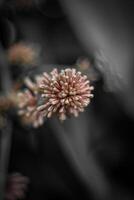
x=21, y=53
x=64, y=93
x=27, y=103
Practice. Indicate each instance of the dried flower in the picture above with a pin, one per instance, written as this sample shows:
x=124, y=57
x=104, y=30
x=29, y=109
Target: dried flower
x=16, y=186
x=21, y=53
x=27, y=103
x=64, y=93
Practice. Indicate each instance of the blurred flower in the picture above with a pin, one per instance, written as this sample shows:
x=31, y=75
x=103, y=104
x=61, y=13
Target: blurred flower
x=64, y=93
x=8, y=101
x=16, y=187
x=84, y=65
x=31, y=85
x=27, y=104
x=5, y=103
x=21, y=53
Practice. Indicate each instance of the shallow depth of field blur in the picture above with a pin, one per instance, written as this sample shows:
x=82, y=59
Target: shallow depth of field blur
x=89, y=157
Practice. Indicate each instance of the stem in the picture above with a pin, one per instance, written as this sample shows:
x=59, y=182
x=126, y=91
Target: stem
x=5, y=141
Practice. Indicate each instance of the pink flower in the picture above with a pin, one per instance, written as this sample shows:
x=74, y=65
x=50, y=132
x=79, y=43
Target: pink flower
x=16, y=186
x=27, y=104
x=22, y=53
x=64, y=93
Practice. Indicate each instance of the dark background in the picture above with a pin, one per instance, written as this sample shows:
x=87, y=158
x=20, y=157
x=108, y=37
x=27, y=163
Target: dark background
x=90, y=157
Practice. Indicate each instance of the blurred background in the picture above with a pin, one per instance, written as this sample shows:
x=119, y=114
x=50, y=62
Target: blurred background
x=89, y=157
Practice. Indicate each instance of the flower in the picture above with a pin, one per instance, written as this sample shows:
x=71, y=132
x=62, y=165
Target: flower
x=21, y=53
x=86, y=66
x=27, y=104
x=16, y=186
x=83, y=63
x=64, y=93
x=31, y=85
